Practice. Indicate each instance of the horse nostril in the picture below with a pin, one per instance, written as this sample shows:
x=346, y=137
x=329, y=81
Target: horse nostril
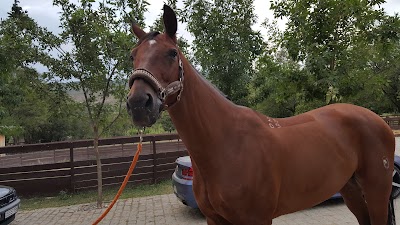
x=149, y=102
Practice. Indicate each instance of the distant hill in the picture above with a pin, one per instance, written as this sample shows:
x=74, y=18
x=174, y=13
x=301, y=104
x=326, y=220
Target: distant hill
x=78, y=96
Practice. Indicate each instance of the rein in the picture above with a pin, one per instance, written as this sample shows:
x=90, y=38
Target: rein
x=162, y=93
x=126, y=179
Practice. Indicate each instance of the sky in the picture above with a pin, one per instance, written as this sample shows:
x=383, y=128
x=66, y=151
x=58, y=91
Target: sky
x=47, y=15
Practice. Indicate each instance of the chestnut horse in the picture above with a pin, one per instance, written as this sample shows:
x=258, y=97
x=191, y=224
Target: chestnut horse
x=250, y=168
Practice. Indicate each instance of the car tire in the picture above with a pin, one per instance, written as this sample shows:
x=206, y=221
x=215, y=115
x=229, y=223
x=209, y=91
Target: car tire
x=396, y=183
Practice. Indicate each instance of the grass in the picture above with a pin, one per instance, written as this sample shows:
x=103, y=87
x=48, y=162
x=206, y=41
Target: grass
x=66, y=199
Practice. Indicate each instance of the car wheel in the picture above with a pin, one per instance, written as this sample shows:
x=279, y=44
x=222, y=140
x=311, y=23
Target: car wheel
x=396, y=183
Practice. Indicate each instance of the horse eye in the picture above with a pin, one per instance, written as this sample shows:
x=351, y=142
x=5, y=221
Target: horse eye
x=173, y=53
x=131, y=57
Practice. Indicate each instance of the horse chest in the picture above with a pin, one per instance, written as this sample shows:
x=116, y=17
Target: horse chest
x=233, y=201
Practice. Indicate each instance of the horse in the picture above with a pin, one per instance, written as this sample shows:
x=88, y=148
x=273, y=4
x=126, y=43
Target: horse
x=250, y=168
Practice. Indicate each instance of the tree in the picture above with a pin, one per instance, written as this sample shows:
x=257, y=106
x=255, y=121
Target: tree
x=66, y=119
x=224, y=48
x=101, y=40
x=166, y=123
x=23, y=41
x=279, y=85
x=329, y=38
x=386, y=58
x=24, y=97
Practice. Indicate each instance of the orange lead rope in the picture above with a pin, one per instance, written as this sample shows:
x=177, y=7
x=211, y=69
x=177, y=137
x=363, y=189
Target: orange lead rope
x=128, y=175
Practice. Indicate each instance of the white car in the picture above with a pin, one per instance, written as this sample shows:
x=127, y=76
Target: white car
x=9, y=204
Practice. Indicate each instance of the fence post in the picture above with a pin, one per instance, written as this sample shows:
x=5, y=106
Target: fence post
x=72, y=169
x=154, y=159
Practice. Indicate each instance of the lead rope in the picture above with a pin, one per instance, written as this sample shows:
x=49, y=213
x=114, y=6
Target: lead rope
x=128, y=175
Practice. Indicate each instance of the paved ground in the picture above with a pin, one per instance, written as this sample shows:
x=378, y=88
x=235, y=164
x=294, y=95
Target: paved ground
x=167, y=210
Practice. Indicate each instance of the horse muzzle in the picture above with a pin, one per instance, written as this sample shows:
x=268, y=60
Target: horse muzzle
x=143, y=104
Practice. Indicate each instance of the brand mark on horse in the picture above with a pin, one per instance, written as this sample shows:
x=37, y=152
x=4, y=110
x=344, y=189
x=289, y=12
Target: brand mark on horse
x=385, y=163
x=273, y=123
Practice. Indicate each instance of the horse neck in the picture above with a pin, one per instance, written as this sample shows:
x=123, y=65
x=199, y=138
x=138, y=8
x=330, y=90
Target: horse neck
x=202, y=115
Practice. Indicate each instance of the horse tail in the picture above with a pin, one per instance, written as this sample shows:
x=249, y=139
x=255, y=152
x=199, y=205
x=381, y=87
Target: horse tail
x=391, y=215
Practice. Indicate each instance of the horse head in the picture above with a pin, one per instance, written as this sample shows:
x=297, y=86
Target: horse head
x=157, y=79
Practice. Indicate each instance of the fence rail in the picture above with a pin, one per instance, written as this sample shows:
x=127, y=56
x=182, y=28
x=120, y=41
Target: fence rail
x=71, y=166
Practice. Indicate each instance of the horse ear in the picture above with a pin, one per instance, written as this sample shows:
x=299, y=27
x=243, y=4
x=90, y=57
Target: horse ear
x=137, y=30
x=170, y=21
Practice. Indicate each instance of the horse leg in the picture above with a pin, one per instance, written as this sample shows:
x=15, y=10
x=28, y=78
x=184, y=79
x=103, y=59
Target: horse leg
x=377, y=198
x=353, y=197
x=376, y=183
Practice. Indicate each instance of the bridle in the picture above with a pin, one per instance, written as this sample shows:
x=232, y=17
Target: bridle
x=162, y=93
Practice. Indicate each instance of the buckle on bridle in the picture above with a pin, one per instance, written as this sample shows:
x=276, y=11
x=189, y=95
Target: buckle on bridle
x=163, y=95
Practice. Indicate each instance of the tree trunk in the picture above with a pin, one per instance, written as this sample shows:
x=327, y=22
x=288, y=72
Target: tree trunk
x=99, y=171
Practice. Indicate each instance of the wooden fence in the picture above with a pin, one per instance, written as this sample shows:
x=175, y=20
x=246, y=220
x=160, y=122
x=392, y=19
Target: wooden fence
x=71, y=166
x=78, y=171
x=393, y=121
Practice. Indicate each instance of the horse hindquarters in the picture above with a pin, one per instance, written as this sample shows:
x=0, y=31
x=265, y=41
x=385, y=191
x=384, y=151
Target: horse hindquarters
x=371, y=183
x=375, y=172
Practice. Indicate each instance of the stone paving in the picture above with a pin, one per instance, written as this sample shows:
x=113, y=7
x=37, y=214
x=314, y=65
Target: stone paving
x=167, y=210
x=159, y=209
